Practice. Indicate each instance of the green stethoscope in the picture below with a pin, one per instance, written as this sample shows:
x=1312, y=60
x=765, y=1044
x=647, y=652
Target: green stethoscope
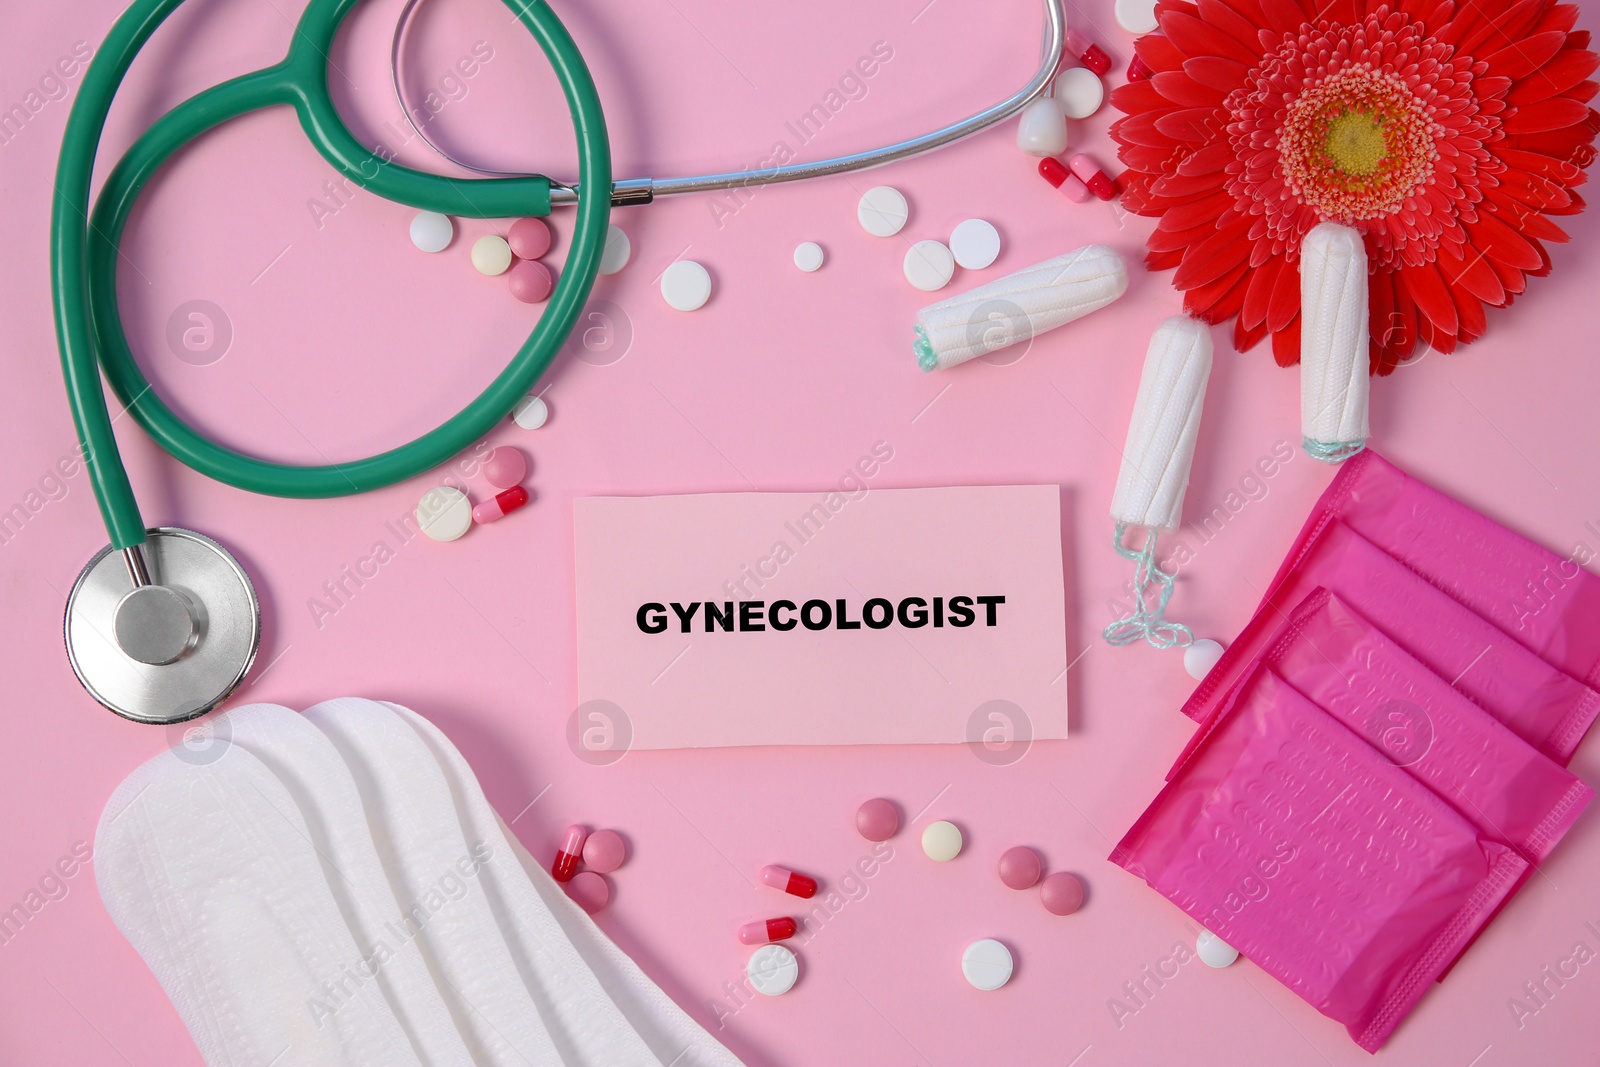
x=163, y=623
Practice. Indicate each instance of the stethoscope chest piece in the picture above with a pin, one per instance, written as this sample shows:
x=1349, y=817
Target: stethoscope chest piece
x=164, y=632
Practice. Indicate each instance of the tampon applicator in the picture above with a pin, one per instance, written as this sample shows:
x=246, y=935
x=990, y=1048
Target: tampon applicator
x=1334, y=375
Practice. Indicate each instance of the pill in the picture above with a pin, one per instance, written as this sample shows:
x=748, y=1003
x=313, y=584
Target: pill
x=686, y=285
x=808, y=256
x=796, y=885
x=590, y=890
x=1089, y=54
x=929, y=265
x=531, y=412
x=986, y=964
x=571, y=851
x=1061, y=893
x=1056, y=173
x=1088, y=171
x=1020, y=867
x=1200, y=657
x=1078, y=92
x=877, y=819
x=529, y=238
x=1042, y=129
x=882, y=211
x=491, y=255
x=941, y=841
x=1213, y=951
x=431, y=231
x=530, y=281
x=1136, y=16
x=975, y=243
x=1138, y=69
x=500, y=505
x=604, y=851
x=445, y=513
x=505, y=466
x=759, y=933
x=773, y=970
x=617, y=251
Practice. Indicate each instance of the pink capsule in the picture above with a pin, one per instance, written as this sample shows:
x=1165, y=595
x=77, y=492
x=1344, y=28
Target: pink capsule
x=796, y=885
x=1089, y=172
x=1056, y=173
x=497, y=508
x=1138, y=70
x=1089, y=54
x=566, y=864
x=766, y=932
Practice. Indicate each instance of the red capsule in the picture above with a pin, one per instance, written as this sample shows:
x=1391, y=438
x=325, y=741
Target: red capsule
x=500, y=505
x=1137, y=70
x=566, y=864
x=1089, y=54
x=796, y=885
x=762, y=933
x=1089, y=172
x=1056, y=173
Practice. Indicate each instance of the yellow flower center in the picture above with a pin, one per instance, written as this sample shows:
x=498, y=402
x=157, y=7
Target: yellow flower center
x=1356, y=144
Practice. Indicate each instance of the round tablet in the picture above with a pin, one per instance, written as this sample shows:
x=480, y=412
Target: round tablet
x=1079, y=92
x=686, y=285
x=491, y=254
x=808, y=256
x=975, y=244
x=531, y=412
x=604, y=851
x=882, y=211
x=1061, y=893
x=1201, y=656
x=505, y=467
x=445, y=513
x=530, y=281
x=431, y=231
x=590, y=890
x=773, y=970
x=941, y=841
x=929, y=265
x=1136, y=16
x=1213, y=951
x=986, y=964
x=617, y=252
x=529, y=238
x=1020, y=867
x=878, y=819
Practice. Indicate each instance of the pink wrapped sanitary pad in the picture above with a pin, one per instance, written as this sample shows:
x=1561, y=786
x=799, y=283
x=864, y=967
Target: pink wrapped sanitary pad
x=1303, y=847
x=1536, y=701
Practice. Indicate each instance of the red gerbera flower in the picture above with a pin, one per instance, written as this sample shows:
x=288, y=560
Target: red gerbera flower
x=1444, y=133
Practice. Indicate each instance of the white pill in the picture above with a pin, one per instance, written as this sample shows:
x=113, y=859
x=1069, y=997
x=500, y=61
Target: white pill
x=1136, y=16
x=491, y=254
x=1200, y=657
x=975, y=244
x=617, y=252
x=686, y=285
x=986, y=964
x=1213, y=951
x=882, y=211
x=431, y=231
x=929, y=265
x=808, y=256
x=773, y=970
x=1078, y=92
x=445, y=513
x=1042, y=129
x=941, y=841
x=531, y=412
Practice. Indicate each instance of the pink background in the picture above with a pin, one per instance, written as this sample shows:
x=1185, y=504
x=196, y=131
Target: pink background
x=345, y=340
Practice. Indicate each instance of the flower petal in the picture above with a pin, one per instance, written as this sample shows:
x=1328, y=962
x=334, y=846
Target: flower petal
x=1557, y=113
x=1286, y=343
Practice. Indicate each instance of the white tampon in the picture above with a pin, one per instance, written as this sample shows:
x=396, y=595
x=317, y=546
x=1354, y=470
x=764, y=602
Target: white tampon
x=1019, y=306
x=1334, y=381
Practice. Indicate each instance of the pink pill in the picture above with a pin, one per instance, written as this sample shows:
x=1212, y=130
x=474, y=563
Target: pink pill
x=604, y=851
x=529, y=238
x=1061, y=893
x=1020, y=867
x=590, y=890
x=530, y=281
x=877, y=819
x=504, y=467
